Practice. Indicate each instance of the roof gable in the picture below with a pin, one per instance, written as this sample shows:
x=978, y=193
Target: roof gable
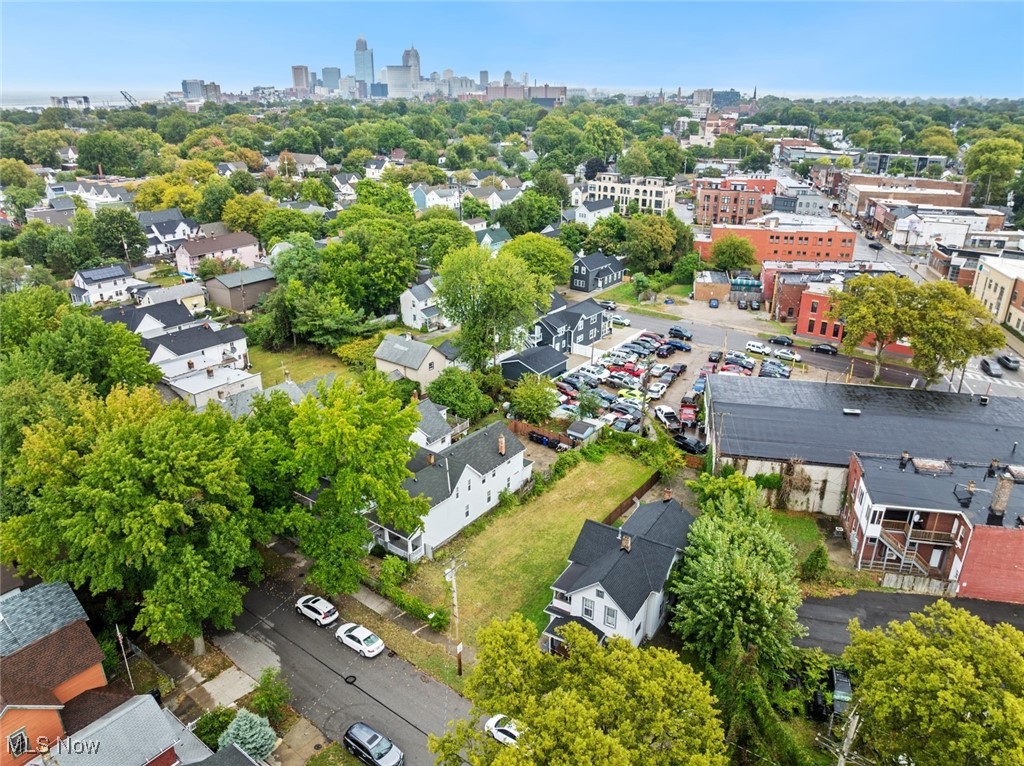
x=167, y=313
x=35, y=613
x=193, y=339
x=402, y=351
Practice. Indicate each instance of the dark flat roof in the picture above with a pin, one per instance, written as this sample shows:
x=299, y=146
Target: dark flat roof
x=776, y=419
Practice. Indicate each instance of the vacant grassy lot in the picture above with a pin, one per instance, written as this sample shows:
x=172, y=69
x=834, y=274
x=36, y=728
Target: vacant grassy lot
x=800, y=529
x=302, y=362
x=511, y=564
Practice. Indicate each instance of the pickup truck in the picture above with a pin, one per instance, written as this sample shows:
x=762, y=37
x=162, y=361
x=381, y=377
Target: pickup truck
x=688, y=415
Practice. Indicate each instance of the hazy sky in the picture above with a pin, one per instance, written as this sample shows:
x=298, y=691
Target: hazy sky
x=796, y=48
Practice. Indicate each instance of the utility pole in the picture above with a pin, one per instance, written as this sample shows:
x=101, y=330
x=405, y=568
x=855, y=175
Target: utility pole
x=449, y=574
x=851, y=732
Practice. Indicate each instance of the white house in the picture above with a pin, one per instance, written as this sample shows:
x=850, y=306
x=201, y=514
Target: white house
x=434, y=432
x=239, y=245
x=151, y=321
x=442, y=196
x=345, y=185
x=592, y=211
x=577, y=194
x=475, y=224
x=402, y=356
x=165, y=237
x=418, y=307
x=461, y=482
x=375, y=168
x=94, y=195
x=495, y=198
x=615, y=582
x=104, y=284
x=304, y=163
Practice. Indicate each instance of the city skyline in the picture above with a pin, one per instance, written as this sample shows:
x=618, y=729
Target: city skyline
x=567, y=49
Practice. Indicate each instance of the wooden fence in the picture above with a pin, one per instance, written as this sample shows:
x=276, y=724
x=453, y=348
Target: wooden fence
x=631, y=499
x=522, y=428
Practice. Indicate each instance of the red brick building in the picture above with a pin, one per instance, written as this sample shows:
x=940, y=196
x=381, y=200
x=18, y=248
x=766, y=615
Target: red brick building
x=729, y=200
x=812, y=320
x=787, y=237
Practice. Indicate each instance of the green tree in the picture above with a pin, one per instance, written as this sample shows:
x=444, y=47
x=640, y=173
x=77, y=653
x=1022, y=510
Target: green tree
x=242, y=182
x=215, y=194
x=358, y=437
x=902, y=166
x=246, y=212
x=315, y=190
x=15, y=173
x=733, y=253
x=649, y=245
x=372, y=265
x=474, y=208
x=118, y=235
x=492, y=297
x=844, y=163
x=390, y=197
x=533, y=398
x=887, y=139
x=602, y=137
x=737, y=581
x=552, y=184
x=685, y=268
x=433, y=238
x=635, y=162
x=15, y=274
x=141, y=500
x=544, y=256
x=211, y=725
x=573, y=235
x=532, y=211
x=251, y=732
x=880, y=308
x=271, y=696
x=28, y=312
x=608, y=236
x=457, y=390
x=41, y=147
x=991, y=164
x=941, y=688
x=610, y=705
x=759, y=162
x=279, y=224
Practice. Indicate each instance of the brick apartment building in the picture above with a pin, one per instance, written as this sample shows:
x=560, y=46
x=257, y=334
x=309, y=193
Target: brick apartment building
x=730, y=200
x=857, y=192
x=786, y=237
x=785, y=281
x=812, y=321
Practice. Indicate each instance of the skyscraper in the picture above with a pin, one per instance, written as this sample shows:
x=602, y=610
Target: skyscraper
x=332, y=77
x=300, y=77
x=485, y=77
x=525, y=76
x=507, y=79
x=364, y=63
x=193, y=90
x=411, y=59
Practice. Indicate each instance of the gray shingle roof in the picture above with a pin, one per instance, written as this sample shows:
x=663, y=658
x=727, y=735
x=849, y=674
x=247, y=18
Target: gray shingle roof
x=229, y=756
x=174, y=293
x=432, y=420
x=248, y=276
x=402, y=351
x=168, y=314
x=596, y=261
x=755, y=417
x=421, y=292
x=35, y=613
x=242, y=402
x=149, y=217
x=215, y=244
x=538, y=359
x=598, y=204
x=449, y=350
x=193, y=339
x=557, y=302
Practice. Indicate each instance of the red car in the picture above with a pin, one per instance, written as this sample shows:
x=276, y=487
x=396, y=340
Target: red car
x=708, y=369
x=652, y=335
x=566, y=389
x=636, y=370
x=736, y=369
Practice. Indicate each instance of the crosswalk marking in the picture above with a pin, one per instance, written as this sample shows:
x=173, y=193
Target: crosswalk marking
x=983, y=378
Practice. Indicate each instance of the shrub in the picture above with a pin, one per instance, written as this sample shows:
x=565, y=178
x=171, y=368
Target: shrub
x=815, y=567
x=437, y=617
x=271, y=695
x=393, y=571
x=359, y=353
x=564, y=462
x=765, y=480
x=211, y=725
x=250, y=732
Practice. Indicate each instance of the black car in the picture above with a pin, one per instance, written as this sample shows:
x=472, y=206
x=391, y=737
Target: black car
x=842, y=690
x=715, y=356
x=772, y=372
x=991, y=368
x=680, y=332
x=605, y=396
x=679, y=344
x=755, y=305
x=781, y=340
x=1009, y=361
x=691, y=445
x=741, y=305
x=677, y=369
x=875, y=245
x=372, y=747
x=635, y=349
x=825, y=348
x=664, y=351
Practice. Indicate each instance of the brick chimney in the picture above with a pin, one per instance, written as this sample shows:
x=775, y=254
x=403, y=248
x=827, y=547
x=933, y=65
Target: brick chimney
x=1001, y=494
x=501, y=444
x=430, y=458
x=626, y=544
x=666, y=494
x=209, y=372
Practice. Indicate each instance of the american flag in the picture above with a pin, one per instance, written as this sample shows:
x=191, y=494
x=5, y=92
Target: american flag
x=120, y=638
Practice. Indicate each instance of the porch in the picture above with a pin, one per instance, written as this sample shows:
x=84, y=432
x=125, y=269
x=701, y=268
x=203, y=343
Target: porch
x=408, y=547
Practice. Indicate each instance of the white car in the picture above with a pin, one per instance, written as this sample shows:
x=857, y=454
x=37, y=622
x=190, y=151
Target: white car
x=319, y=610
x=787, y=354
x=756, y=347
x=360, y=639
x=656, y=390
x=595, y=371
x=619, y=319
x=658, y=370
x=503, y=729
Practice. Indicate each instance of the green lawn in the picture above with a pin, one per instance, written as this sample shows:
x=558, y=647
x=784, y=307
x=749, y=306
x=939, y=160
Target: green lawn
x=302, y=362
x=800, y=529
x=511, y=564
x=622, y=293
x=333, y=755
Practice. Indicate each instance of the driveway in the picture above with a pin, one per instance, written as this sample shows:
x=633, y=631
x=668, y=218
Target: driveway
x=826, y=619
x=333, y=686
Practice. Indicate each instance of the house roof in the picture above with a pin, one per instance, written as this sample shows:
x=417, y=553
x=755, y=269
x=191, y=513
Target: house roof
x=229, y=756
x=474, y=221
x=478, y=451
x=32, y=614
x=105, y=273
x=246, y=276
x=167, y=313
x=597, y=261
x=215, y=229
x=90, y=705
x=215, y=244
x=594, y=205
x=193, y=339
x=557, y=302
x=806, y=420
x=449, y=350
x=538, y=359
x=166, y=228
x=433, y=423
x=133, y=734
x=577, y=311
x=495, y=235
x=149, y=217
x=558, y=621
x=402, y=351
x=172, y=294
x=581, y=429
x=242, y=402
x=62, y=203
x=48, y=663
x=422, y=292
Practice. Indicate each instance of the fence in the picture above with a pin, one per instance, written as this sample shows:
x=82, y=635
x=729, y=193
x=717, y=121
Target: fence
x=521, y=428
x=633, y=496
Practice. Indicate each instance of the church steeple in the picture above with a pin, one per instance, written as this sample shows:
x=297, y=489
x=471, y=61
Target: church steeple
x=755, y=93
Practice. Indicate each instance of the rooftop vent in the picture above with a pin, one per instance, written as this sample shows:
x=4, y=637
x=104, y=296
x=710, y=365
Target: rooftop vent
x=850, y=411
x=933, y=466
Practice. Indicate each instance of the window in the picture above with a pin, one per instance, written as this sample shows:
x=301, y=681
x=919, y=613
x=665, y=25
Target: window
x=488, y=497
x=860, y=494
x=835, y=330
x=637, y=628
x=17, y=743
x=456, y=493
x=588, y=608
x=876, y=516
x=430, y=365
x=600, y=593
x=814, y=307
x=494, y=474
x=467, y=510
x=611, y=616
x=810, y=326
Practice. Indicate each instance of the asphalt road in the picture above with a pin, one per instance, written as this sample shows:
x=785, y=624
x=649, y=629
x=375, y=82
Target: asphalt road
x=334, y=687
x=826, y=619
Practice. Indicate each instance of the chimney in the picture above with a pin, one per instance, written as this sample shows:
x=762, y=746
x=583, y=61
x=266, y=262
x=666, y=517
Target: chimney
x=971, y=486
x=627, y=543
x=209, y=372
x=1001, y=494
x=666, y=494
x=287, y=376
x=415, y=396
x=430, y=458
x=904, y=459
x=501, y=444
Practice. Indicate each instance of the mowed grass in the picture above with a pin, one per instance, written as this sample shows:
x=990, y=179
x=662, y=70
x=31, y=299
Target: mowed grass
x=302, y=362
x=511, y=564
x=800, y=529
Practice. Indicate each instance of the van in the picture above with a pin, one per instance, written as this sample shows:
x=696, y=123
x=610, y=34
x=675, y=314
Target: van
x=690, y=398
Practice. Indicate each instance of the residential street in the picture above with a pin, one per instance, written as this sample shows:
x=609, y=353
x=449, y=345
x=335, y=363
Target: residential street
x=333, y=686
x=826, y=619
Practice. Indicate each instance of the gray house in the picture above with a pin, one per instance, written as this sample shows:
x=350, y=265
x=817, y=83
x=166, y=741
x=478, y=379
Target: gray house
x=241, y=290
x=595, y=271
x=537, y=360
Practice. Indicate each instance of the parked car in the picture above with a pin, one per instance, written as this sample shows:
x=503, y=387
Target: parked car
x=708, y=369
x=699, y=384
x=503, y=729
x=715, y=356
x=627, y=407
x=771, y=372
x=634, y=348
x=991, y=368
x=612, y=305
x=656, y=390
x=658, y=370
x=371, y=747
x=595, y=370
x=772, y=364
x=1009, y=361
x=735, y=369
x=739, y=360
x=668, y=417
x=677, y=369
x=664, y=352
x=825, y=348
x=632, y=394
x=875, y=245
x=713, y=303
x=668, y=379
x=605, y=397
x=755, y=305
x=579, y=382
x=627, y=424
x=741, y=305
x=781, y=340
x=319, y=610
x=565, y=388
x=842, y=690
x=756, y=347
x=691, y=445
x=652, y=335
x=636, y=370
x=620, y=320
x=788, y=354
x=360, y=639
x=679, y=344
x=675, y=331
x=622, y=380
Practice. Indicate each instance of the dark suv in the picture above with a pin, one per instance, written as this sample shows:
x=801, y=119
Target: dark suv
x=372, y=747
x=842, y=690
x=679, y=332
